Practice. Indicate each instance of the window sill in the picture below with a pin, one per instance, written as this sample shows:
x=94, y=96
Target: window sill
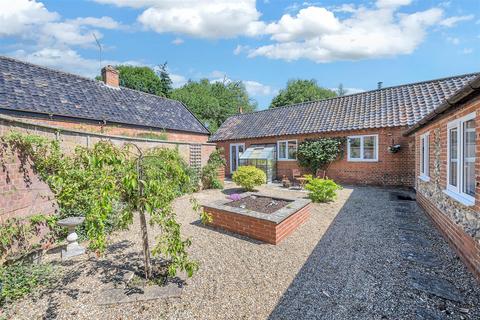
x=424, y=178
x=286, y=159
x=469, y=202
x=362, y=160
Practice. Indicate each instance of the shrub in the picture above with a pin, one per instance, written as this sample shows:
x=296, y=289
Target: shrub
x=18, y=280
x=322, y=190
x=317, y=154
x=210, y=171
x=249, y=177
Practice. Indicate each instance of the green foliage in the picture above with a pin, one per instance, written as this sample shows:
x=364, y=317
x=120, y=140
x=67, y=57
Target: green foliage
x=210, y=171
x=145, y=79
x=103, y=184
x=18, y=280
x=298, y=91
x=317, y=154
x=249, y=177
x=322, y=190
x=213, y=103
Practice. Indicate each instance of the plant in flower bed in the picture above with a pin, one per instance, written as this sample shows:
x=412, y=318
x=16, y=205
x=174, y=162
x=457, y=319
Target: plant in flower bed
x=107, y=185
x=322, y=190
x=249, y=177
x=210, y=171
x=18, y=280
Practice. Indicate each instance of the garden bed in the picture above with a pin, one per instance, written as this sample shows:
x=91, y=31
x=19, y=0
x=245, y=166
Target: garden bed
x=259, y=216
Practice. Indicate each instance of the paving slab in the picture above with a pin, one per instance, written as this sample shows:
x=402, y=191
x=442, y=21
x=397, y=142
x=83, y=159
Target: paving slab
x=434, y=285
x=126, y=295
x=425, y=259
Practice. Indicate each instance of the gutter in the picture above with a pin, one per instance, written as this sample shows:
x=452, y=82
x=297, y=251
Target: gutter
x=470, y=88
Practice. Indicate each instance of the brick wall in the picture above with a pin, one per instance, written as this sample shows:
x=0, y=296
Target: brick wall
x=118, y=130
x=460, y=224
x=259, y=229
x=390, y=169
x=19, y=197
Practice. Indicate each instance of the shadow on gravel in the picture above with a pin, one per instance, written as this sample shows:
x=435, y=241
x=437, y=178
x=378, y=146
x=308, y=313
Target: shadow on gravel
x=198, y=223
x=357, y=271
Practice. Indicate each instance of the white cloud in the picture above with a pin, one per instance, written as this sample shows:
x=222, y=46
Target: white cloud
x=177, y=80
x=240, y=48
x=255, y=88
x=317, y=34
x=20, y=16
x=103, y=22
x=202, y=18
x=453, y=40
x=453, y=21
x=467, y=51
x=177, y=41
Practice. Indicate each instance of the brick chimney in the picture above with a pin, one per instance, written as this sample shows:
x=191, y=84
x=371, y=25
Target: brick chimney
x=110, y=76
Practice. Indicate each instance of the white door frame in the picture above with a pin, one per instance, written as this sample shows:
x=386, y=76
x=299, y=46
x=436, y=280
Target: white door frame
x=236, y=154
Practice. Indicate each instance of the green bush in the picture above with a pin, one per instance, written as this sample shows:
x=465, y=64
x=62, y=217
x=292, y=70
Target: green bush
x=210, y=171
x=249, y=177
x=18, y=280
x=322, y=190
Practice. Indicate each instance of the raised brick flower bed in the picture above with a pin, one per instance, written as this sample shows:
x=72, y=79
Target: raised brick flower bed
x=268, y=227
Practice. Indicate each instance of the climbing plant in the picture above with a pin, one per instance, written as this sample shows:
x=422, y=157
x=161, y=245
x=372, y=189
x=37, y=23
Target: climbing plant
x=210, y=171
x=319, y=153
x=107, y=185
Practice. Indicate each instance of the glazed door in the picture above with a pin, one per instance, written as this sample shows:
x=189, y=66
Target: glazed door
x=236, y=150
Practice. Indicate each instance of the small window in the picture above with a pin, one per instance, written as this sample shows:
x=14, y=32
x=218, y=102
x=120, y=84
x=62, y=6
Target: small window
x=287, y=150
x=424, y=156
x=363, y=148
x=461, y=155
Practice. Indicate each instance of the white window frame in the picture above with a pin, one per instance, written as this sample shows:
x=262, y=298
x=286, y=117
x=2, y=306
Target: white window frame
x=230, y=153
x=456, y=191
x=286, y=150
x=362, y=159
x=425, y=156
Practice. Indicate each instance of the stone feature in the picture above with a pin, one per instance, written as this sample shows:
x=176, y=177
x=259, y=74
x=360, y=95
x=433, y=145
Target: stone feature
x=425, y=259
x=135, y=294
x=436, y=286
x=73, y=248
x=268, y=227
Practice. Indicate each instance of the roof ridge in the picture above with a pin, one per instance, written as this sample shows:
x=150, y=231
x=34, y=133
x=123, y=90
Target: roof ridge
x=360, y=93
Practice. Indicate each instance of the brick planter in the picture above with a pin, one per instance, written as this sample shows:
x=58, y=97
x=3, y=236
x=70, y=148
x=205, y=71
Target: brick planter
x=271, y=228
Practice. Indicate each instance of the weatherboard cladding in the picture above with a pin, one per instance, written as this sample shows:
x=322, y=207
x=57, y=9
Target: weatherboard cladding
x=30, y=88
x=389, y=107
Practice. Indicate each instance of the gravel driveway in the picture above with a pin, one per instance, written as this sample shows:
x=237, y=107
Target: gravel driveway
x=365, y=256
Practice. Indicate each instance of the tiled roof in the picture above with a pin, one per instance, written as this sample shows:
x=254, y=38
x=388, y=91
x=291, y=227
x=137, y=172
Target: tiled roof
x=402, y=105
x=30, y=88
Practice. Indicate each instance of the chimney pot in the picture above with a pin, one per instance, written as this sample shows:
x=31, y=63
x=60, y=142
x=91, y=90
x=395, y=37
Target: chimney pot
x=380, y=84
x=110, y=76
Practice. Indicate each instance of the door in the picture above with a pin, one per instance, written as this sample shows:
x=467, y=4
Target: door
x=236, y=150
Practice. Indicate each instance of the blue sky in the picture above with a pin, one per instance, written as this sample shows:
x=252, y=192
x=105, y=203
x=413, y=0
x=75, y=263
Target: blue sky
x=263, y=43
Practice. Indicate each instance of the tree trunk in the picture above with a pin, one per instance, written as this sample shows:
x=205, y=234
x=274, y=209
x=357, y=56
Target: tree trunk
x=146, y=248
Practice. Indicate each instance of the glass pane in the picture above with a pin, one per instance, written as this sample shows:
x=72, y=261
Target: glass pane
x=240, y=150
x=282, y=150
x=469, y=158
x=453, y=157
x=292, y=150
x=369, y=147
x=355, y=148
x=422, y=156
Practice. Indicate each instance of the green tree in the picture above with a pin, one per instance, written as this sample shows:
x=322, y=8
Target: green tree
x=165, y=81
x=341, y=91
x=298, y=91
x=213, y=103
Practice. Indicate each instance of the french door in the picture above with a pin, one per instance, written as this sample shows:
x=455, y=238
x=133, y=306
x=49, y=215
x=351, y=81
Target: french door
x=236, y=150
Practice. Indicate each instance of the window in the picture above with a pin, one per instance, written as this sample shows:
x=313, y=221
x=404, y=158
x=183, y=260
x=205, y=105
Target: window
x=287, y=150
x=424, y=156
x=363, y=148
x=461, y=139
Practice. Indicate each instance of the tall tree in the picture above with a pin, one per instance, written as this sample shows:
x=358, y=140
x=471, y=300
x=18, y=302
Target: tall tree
x=341, y=91
x=298, y=91
x=213, y=103
x=165, y=81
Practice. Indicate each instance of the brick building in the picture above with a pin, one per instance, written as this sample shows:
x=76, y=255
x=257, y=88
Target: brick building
x=447, y=170
x=371, y=121
x=45, y=96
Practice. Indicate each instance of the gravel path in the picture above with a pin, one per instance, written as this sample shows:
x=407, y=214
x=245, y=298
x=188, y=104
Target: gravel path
x=351, y=259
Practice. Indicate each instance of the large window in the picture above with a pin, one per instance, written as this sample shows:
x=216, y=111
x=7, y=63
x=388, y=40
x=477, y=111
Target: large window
x=363, y=148
x=461, y=139
x=424, y=156
x=287, y=150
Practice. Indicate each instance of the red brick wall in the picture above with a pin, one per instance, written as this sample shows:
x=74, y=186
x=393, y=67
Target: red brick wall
x=457, y=222
x=119, y=130
x=22, y=193
x=259, y=229
x=390, y=169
